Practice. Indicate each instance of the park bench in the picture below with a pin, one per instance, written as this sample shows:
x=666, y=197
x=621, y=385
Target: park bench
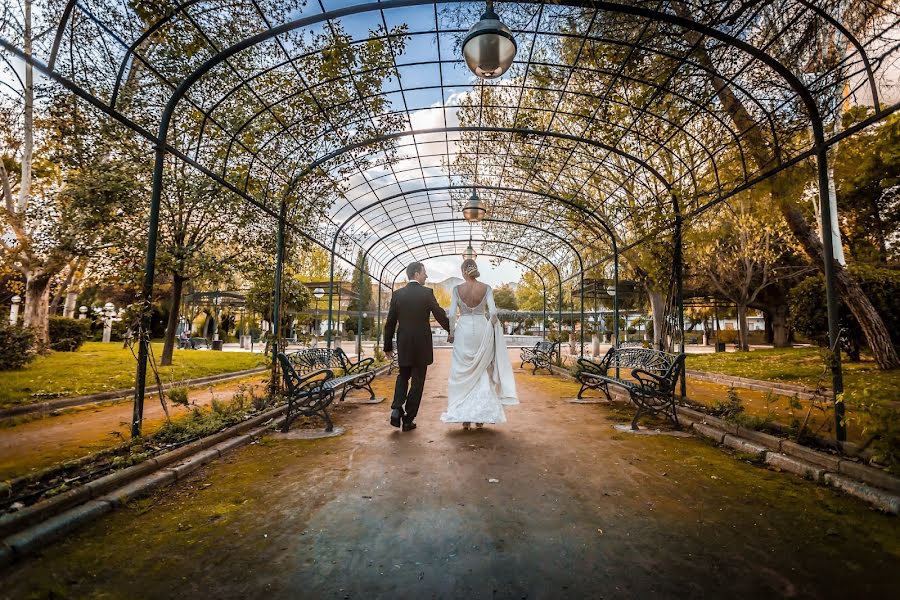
x=540, y=356
x=194, y=343
x=654, y=374
x=308, y=394
x=394, y=364
x=354, y=375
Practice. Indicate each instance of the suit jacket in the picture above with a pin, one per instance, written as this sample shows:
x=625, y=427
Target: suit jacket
x=411, y=308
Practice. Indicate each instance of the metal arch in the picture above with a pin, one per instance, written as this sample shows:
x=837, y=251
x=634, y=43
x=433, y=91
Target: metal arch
x=563, y=240
x=870, y=76
x=425, y=223
x=485, y=220
x=514, y=130
x=652, y=15
x=475, y=186
x=820, y=144
x=583, y=210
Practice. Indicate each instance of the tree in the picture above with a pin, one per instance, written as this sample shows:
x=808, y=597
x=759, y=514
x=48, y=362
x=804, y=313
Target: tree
x=361, y=286
x=736, y=252
x=760, y=152
x=867, y=176
x=505, y=298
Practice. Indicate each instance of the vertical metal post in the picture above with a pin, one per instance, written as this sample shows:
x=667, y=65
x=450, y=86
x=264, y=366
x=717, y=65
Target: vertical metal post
x=834, y=327
x=559, y=318
x=581, y=308
x=330, y=294
x=544, y=321
x=338, y=318
x=137, y=417
x=359, y=311
x=679, y=299
x=276, y=308
x=378, y=326
x=616, y=297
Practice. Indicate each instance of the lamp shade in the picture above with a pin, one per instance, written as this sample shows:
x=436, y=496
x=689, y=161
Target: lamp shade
x=489, y=48
x=611, y=291
x=474, y=210
x=469, y=252
x=318, y=293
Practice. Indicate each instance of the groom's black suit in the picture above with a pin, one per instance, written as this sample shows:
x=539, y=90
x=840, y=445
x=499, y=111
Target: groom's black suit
x=411, y=308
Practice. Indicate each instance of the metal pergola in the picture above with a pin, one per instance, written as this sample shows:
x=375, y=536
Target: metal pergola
x=579, y=131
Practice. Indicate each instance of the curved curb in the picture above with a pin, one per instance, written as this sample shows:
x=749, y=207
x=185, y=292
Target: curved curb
x=117, y=395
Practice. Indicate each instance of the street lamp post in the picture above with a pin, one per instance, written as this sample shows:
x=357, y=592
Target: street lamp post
x=82, y=312
x=14, y=309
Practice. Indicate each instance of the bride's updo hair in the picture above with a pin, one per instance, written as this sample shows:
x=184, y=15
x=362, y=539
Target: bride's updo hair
x=470, y=268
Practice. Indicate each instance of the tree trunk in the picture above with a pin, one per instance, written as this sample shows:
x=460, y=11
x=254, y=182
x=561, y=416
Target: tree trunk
x=37, y=302
x=658, y=312
x=743, y=329
x=781, y=337
x=877, y=336
x=69, y=308
x=174, y=312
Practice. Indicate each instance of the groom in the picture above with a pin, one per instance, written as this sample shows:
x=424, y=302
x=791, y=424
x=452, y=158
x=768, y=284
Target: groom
x=410, y=307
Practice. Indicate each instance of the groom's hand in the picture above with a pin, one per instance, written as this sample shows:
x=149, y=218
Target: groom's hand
x=449, y=339
x=389, y=354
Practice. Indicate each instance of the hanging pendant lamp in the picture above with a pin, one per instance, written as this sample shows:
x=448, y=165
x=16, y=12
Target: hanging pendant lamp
x=489, y=48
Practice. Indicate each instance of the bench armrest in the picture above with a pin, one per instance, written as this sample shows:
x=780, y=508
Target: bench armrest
x=588, y=366
x=360, y=366
x=309, y=383
x=646, y=379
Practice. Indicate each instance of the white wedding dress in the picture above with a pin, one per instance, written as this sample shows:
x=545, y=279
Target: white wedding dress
x=481, y=377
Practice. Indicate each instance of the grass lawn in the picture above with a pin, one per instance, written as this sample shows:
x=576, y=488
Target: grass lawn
x=801, y=366
x=99, y=367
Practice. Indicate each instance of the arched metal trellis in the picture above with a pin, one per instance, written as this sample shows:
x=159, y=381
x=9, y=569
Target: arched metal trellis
x=582, y=114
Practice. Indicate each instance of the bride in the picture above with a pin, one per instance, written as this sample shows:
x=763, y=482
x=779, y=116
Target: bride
x=481, y=377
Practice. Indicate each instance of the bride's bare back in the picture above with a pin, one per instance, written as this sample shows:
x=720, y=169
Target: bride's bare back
x=472, y=292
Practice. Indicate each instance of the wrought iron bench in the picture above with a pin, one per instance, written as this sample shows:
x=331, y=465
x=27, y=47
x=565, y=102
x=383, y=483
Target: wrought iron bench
x=655, y=374
x=354, y=375
x=307, y=395
x=540, y=356
x=199, y=342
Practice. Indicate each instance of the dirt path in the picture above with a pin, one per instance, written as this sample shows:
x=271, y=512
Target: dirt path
x=580, y=510
x=38, y=444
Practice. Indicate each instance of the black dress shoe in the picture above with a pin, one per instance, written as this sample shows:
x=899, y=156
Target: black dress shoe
x=408, y=426
x=396, y=415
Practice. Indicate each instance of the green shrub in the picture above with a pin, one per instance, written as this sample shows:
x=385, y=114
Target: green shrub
x=178, y=395
x=67, y=335
x=808, y=307
x=16, y=346
x=727, y=336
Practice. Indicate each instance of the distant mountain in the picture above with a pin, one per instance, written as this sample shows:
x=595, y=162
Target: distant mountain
x=447, y=284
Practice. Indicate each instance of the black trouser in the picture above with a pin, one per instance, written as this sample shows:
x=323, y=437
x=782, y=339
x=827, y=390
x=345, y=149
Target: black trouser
x=410, y=395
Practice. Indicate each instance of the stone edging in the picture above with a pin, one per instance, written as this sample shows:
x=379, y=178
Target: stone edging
x=118, y=395
x=867, y=483
x=36, y=526
x=784, y=389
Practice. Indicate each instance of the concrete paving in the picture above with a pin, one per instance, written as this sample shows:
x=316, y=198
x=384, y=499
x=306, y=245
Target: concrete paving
x=553, y=504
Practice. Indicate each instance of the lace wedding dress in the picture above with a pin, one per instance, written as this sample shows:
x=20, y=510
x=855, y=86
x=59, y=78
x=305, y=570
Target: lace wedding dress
x=481, y=377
